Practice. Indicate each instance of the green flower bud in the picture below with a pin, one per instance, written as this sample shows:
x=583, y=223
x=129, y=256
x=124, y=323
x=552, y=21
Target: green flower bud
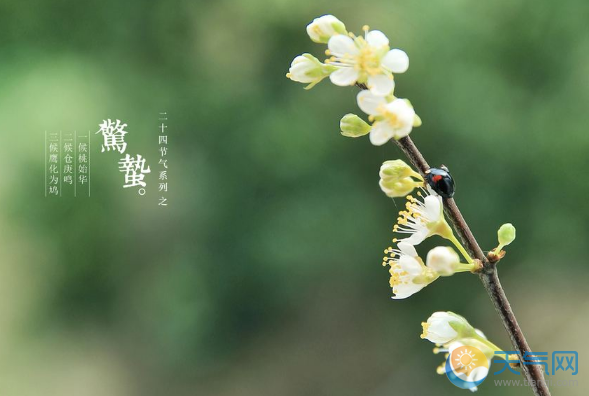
x=324, y=27
x=353, y=126
x=306, y=68
x=506, y=234
x=397, y=178
x=397, y=168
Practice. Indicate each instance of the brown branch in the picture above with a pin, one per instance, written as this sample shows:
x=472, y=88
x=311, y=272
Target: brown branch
x=488, y=275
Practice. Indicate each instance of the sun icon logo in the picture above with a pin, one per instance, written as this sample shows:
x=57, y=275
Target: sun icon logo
x=465, y=360
x=467, y=367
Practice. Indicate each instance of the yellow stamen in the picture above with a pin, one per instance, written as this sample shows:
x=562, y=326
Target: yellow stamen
x=425, y=327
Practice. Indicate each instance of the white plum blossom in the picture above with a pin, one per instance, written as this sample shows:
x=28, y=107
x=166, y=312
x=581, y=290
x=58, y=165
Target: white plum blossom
x=471, y=338
x=445, y=327
x=422, y=219
x=408, y=273
x=325, y=27
x=393, y=119
x=366, y=59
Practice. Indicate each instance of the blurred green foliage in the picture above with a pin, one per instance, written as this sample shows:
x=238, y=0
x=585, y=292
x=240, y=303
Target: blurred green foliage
x=263, y=276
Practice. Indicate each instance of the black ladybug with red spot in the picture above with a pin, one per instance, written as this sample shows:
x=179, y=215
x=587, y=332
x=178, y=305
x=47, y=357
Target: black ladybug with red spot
x=440, y=180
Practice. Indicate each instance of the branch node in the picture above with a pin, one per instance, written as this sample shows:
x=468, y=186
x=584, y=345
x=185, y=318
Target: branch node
x=478, y=266
x=494, y=256
x=512, y=357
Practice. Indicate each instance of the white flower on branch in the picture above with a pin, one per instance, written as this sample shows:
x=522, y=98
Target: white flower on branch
x=450, y=332
x=392, y=119
x=408, y=273
x=422, y=218
x=366, y=59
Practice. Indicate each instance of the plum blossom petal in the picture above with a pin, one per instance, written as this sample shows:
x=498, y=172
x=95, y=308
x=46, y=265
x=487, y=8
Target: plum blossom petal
x=344, y=76
x=369, y=102
x=376, y=38
x=396, y=60
x=381, y=133
x=381, y=84
x=342, y=46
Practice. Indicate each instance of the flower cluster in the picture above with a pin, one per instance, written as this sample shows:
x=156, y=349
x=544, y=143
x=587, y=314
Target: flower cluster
x=367, y=61
x=422, y=218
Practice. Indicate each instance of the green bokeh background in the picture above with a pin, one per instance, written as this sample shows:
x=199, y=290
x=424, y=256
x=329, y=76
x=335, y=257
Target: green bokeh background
x=263, y=275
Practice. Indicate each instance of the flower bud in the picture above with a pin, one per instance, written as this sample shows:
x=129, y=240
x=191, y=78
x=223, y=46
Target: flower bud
x=444, y=260
x=353, y=126
x=308, y=69
x=444, y=327
x=398, y=169
x=506, y=234
x=396, y=178
x=324, y=27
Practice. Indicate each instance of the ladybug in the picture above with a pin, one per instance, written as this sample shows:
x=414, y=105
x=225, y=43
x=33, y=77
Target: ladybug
x=440, y=180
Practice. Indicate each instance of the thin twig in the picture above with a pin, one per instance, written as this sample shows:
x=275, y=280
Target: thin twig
x=488, y=276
